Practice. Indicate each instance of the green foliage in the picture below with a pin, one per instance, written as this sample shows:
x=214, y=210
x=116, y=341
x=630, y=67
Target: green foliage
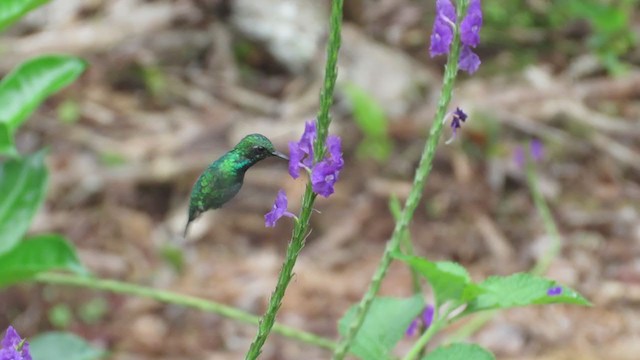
x=449, y=280
x=23, y=184
x=502, y=292
x=93, y=310
x=13, y=10
x=372, y=121
x=60, y=316
x=35, y=255
x=383, y=327
x=57, y=345
x=611, y=35
x=26, y=86
x=459, y=351
x=68, y=111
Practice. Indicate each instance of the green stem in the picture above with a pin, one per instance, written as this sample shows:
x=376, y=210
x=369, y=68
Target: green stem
x=547, y=219
x=301, y=229
x=120, y=287
x=422, y=172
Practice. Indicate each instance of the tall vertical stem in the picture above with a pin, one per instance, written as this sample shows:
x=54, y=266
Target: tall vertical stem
x=301, y=228
x=422, y=172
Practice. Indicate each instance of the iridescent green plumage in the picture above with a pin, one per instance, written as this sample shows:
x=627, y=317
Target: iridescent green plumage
x=222, y=180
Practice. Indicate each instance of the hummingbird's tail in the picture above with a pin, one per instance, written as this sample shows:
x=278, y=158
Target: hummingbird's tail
x=186, y=229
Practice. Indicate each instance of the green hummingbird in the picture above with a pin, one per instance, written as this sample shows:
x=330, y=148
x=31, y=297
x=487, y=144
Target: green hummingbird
x=222, y=180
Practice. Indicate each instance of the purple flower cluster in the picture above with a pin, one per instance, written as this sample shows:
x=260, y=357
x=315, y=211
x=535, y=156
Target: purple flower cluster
x=443, y=31
x=324, y=174
x=425, y=319
x=13, y=347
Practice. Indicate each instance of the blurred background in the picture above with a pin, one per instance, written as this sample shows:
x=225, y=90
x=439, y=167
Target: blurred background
x=172, y=85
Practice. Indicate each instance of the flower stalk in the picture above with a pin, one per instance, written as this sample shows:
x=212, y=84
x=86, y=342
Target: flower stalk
x=301, y=228
x=421, y=174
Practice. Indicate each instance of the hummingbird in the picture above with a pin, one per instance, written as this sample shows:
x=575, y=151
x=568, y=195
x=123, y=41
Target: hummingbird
x=222, y=180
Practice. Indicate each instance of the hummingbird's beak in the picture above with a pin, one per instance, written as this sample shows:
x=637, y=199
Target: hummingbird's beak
x=280, y=155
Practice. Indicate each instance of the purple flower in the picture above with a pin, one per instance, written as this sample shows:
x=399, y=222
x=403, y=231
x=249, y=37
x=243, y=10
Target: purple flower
x=554, y=291
x=471, y=24
x=469, y=61
x=443, y=25
x=458, y=117
x=325, y=173
x=301, y=152
x=537, y=150
x=14, y=347
x=425, y=319
x=323, y=176
x=279, y=210
x=442, y=34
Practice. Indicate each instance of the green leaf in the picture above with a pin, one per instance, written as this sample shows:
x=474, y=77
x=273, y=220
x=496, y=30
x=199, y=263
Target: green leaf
x=23, y=184
x=57, y=345
x=449, y=280
x=13, y=10
x=385, y=325
x=520, y=290
x=35, y=255
x=459, y=351
x=372, y=121
x=7, y=148
x=26, y=86
x=367, y=113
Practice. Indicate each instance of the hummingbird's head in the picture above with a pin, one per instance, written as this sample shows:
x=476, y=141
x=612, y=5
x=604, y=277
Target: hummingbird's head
x=257, y=147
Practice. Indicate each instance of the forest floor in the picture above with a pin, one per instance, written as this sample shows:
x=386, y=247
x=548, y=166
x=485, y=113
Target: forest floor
x=171, y=85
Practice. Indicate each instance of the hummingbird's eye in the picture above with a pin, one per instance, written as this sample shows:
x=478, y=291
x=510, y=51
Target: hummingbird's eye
x=259, y=149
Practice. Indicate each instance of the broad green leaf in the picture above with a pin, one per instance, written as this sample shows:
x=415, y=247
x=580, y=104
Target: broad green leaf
x=13, y=10
x=58, y=345
x=7, y=148
x=23, y=184
x=459, y=351
x=385, y=325
x=520, y=290
x=35, y=255
x=26, y=86
x=449, y=280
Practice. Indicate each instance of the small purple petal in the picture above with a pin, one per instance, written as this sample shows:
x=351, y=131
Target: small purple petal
x=278, y=210
x=460, y=114
x=295, y=157
x=442, y=33
x=457, y=118
x=471, y=24
x=13, y=347
x=519, y=157
x=413, y=328
x=11, y=338
x=427, y=316
x=469, y=61
x=554, y=291
x=323, y=176
x=306, y=142
x=334, y=144
x=537, y=150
